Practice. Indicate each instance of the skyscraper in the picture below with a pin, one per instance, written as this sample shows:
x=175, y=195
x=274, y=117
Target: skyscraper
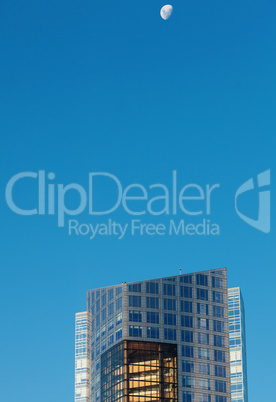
x=238, y=363
x=165, y=339
x=83, y=357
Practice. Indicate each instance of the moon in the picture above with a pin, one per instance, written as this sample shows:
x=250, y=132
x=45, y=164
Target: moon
x=166, y=11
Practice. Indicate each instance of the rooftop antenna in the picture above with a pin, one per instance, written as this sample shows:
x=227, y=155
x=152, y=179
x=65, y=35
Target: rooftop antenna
x=180, y=270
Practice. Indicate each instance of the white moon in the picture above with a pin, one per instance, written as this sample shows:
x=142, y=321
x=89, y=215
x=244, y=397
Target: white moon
x=166, y=11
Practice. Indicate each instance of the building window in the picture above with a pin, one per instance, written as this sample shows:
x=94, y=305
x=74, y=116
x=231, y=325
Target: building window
x=219, y=341
x=104, y=314
x=152, y=302
x=203, y=353
x=204, y=368
x=186, y=306
x=186, y=291
x=169, y=334
x=217, y=297
x=169, y=319
x=188, y=382
x=103, y=330
x=152, y=287
x=93, y=310
x=160, y=361
x=217, y=282
x=108, y=375
x=122, y=380
x=118, y=291
x=111, y=309
x=110, y=294
x=188, y=366
x=110, y=324
x=202, y=294
x=186, y=279
x=153, y=317
x=153, y=332
x=119, y=303
x=169, y=304
x=218, y=326
x=103, y=346
x=220, y=398
x=110, y=340
x=119, y=334
x=235, y=342
x=204, y=383
x=135, y=330
x=202, y=309
x=203, y=338
x=187, y=351
x=187, y=321
x=202, y=280
x=135, y=316
x=103, y=302
x=188, y=397
x=119, y=318
x=134, y=301
x=202, y=323
x=220, y=371
x=168, y=289
x=219, y=356
x=136, y=287
x=218, y=311
x=187, y=336
x=204, y=398
x=92, y=297
x=220, y=386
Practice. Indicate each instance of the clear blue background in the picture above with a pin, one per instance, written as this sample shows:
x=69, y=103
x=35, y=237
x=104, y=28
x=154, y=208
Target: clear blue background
x=90, y=86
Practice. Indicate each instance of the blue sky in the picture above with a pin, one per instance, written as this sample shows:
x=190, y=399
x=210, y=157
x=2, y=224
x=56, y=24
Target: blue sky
x=109, y=86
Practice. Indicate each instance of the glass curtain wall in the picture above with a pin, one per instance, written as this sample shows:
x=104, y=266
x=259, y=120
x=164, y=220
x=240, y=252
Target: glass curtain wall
x=140, y=372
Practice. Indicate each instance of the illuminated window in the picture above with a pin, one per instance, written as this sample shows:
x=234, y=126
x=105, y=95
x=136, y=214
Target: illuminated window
x=139, y=371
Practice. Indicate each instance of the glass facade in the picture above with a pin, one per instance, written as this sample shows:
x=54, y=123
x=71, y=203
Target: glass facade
x=83, y=357
x=189, y=312
x=139, y=372
x=113, y=374
x=106, y=306
x=237, y=335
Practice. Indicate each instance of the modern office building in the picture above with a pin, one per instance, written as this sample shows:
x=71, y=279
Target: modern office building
x=83, y=357
x=237, y=341
x=165, y=340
